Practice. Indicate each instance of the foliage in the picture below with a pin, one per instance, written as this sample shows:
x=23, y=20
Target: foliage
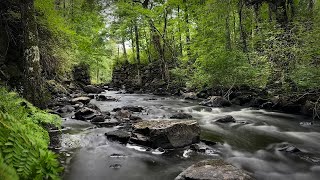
x=78, y=31
x=23, y=140
x=215, y=42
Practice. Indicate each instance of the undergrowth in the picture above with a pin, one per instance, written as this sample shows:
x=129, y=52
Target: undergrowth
x=24, y=142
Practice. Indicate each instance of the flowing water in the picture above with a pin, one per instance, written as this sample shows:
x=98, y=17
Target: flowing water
x=251, y=143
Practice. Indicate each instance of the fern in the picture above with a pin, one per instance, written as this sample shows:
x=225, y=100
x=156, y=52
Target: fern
x=7, y=172
x=23, y=142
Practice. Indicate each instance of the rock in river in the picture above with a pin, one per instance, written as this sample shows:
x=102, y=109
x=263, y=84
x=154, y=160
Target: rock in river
x=86, y=114
x=166, y=134
x=102, y=97
x=225, y=119
x=133, y=108
x=216, y=101
x=98, y=119
x=214, y=169
x=92, y=89
x=83, y=99
x=181, y=116
x=118, y=135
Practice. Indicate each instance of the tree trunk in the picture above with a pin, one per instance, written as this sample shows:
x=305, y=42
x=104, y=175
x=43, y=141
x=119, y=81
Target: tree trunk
x=31, y=54
x=243, y=35
x=132, y=44
x=179, y=29
x=136, y=32
x=228, y=32
x=156, y=39
x=124, y=49
x=165, y=64
x=187, y=29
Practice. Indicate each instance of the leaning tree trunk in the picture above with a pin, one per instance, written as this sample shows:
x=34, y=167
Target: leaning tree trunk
x=33, y=81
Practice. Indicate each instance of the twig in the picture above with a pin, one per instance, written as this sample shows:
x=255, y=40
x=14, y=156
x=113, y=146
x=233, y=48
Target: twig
x=227, y=95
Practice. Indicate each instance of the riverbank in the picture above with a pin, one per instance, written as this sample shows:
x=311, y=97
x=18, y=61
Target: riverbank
x=306, y=102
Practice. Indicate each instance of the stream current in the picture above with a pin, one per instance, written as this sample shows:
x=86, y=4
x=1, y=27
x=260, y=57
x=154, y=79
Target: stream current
x=252, y=143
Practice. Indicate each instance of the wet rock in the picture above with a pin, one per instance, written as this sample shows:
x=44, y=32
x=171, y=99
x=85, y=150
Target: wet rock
x=267, y=105
x=168, y=134
x=225, y=119
x=258, y=102
x=216, y=101
x=65, y=109
x=133, y=108
x=106, y=113
x=93, y=106
x=189, y=95
x=213, y=170
x=242, y=100
x=195, y=147
x=140, y=139
x=288, y=148
x=78, y=106
x=116, y=109
x=107, y=123
x=92, y=89
x=135, y=118
x=105, y=98
x=83, y=99
x=118, y=135
x=86, y=114
x=98, y=119
x=181, y=116
x=122, y=114
x=91, y=96
x=208, y=142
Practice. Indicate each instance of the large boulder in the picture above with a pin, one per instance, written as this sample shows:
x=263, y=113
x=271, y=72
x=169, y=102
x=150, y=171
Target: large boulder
x=86, y=114
x=92, y=89
x=166, y=134
x=214, y=169
x=216, y=101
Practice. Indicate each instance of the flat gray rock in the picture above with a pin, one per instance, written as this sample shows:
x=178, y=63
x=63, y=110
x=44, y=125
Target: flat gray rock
x=214, y=169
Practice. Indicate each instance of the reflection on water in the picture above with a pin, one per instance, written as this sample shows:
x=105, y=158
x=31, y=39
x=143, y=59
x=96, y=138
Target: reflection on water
x=250, y=143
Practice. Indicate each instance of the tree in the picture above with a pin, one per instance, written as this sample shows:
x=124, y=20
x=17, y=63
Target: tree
x=31, y=54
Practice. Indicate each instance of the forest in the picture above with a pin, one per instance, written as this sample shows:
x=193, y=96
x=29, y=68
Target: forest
x=113, y=63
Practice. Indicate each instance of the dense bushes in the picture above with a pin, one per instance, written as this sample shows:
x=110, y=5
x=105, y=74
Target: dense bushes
x=23, y=140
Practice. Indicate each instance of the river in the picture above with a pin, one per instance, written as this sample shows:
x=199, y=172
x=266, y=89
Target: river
x=251, y=143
